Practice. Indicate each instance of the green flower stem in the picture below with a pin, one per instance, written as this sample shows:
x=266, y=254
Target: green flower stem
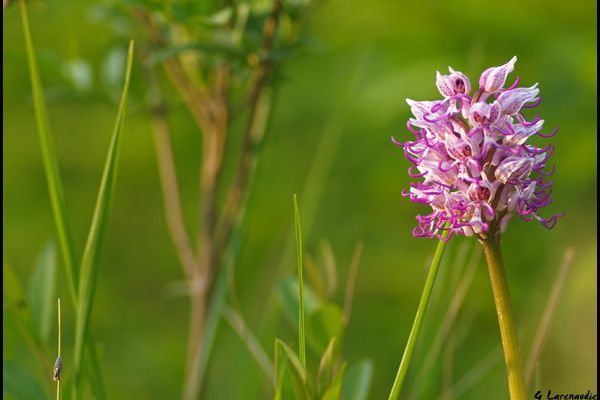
x=508, y=331
x=418, y=322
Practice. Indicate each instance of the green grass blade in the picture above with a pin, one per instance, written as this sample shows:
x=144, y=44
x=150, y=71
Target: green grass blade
x=252, y=344
x=335, y=390
x=41, y=291
x=543, y=327
x=93, y=371
x=357, y=382
x=301, y=328
x=89, y=263
x=52, y=176
x=298, y=372
x=50, y=164
x=418, y=322
x=326, y=366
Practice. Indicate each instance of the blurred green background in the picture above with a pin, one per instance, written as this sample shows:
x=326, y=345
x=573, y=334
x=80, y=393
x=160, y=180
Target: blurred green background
x=391, y=50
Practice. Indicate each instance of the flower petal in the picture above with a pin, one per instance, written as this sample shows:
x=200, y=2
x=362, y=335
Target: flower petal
x=493, y=79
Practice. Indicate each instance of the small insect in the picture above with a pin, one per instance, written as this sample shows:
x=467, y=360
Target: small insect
x=57, y=368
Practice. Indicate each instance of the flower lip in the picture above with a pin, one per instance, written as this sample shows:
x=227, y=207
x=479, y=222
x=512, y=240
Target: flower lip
x=484, y=114
x=479, y=192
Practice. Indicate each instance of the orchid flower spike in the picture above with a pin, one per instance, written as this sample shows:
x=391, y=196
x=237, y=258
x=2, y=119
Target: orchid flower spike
x=472, y=155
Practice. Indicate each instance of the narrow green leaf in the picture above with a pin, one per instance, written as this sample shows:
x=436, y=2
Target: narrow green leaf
x=252, y=344
x=41, y=291
x=17, y=382
x=52, y=174
x=279, y=372
x=335, y=390
x=50, y=164
x=326, y=366
x=89, y=264
x=325, y=323
x=293, y=359
x=296, y=369
x=301, y=327
x=284, y=389
x=357, y=382
x=93, y=371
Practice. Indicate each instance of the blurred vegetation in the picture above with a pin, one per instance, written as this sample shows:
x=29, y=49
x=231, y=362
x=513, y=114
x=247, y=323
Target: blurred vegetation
x=350, y=79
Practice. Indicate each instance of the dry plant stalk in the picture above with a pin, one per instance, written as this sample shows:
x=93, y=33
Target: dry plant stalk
x=210, y=107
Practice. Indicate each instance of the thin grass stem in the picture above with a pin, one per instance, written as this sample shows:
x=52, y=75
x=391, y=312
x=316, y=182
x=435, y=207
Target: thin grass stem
x=418, y=322
x=351, y=282
x=238, y=324
x=448, y=321
x=546, y=319
x=58, y=352
x=301, y=331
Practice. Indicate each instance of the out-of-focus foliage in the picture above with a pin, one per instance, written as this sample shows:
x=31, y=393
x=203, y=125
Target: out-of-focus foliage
x=142, y=328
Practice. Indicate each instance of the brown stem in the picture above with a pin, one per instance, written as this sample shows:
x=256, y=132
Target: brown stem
x=191, y=387
x=210, y=109
x=214, y=146
x=195, y=98
x=253, y=134
x=168, y=178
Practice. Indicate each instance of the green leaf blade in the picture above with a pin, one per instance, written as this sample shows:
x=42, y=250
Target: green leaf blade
x=89, y=264
x=297, y=372
x=51, y=170
x=301, y=327
x=357, y=382
x=334, y=391
x=41, y=291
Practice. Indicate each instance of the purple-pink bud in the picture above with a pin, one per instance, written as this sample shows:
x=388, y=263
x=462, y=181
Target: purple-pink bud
x=513, y=169
x=513, y=100
x=455, y=84
x=494, y=78
x=523, y=132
